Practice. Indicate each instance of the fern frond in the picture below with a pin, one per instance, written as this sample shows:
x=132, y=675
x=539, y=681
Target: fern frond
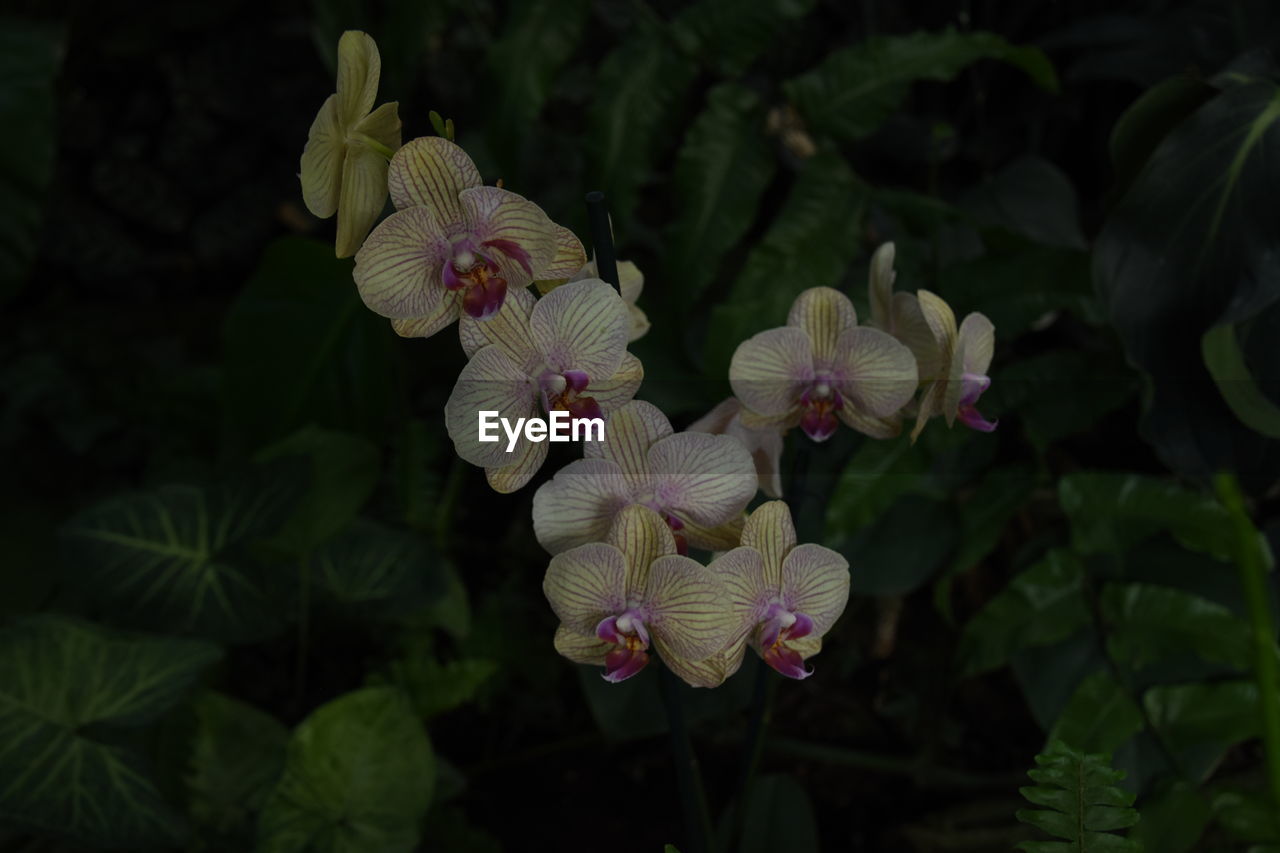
x=1083, y=804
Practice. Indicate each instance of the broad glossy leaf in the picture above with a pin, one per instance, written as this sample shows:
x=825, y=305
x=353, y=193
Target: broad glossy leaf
x=30, y=56
x=878, y=473
x=1223, y=712
x=779, y=816
x=1042, y=604
x=299, y=347
x=1149, y=119
x=1248, y=816
x=1032, y=197
x=66, y=687
x=1173, y=819
x=1100, y=717
x=1111, y=512
x=854, y=90
x=175, y=558
x=358, y=776
x=721, y=172
x=1192, y=245
x=375, y=565
x=1225, y=360
x=730, y=35
x=1150, y=623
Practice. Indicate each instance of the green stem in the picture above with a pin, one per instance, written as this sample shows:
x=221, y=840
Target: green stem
x=369, y=142
x=697, y=816
x=1251, y=557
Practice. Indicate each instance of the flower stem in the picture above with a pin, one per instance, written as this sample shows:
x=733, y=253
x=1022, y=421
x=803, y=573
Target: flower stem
x=602, y=237
x=1252, y=558
x=369, y=142
x=697, y=816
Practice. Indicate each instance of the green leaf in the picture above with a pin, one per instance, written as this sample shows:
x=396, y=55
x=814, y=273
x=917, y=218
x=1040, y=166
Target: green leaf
x=1191, y=246
x=299, y=347
x=721, y=172
x=175, y=558
x=65, y=688
x=1032, y=197
x=358, y=776
x=344, y=471
x=810, y=243
x=1223, y=712
x=30, y=56
x=997, y=285
x=1100, y=716
x=1226, y=364
x=730, y=35
x=638, y=86
x=854, y=90
x=877, y=475
x=1148, y=120
x=1174, y=818
x=779, y=816
x=372, y=564
x=1151, y=623
x=984, y=513
x=435, y=686
x=236, y=759
x=1082, y=803
x=890, y=555
x=1249, y=816
x=1041, y=605
x=1111, y=512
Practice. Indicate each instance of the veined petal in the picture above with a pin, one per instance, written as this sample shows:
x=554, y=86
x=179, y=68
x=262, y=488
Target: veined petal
x=524, y=238
x=706, y=478
x=630, y=281
x=585, y=585
x=815, y=582
x=711, y=672
x=364, y=193
x=432, y=172
x=867, y=424
x=910, y=328
x=616, y=391
x=686, y=608
x=582, y=648
x=322, y=158
x=514, y=476
x=930, y=406
x=578, y=504
x=770, y=531
x=823, y=314
x=779, y=423
x=448, y=310
x=569, y=257
x=398, y=268
x=490, y=382
x=508, y=330
x=721, y=537
x=741, y=572
x=941, y=321
x=639, y=323
x=880, y=288
x=383, y=125
x=977, y=339
x=879, y=374
x=764, y=445
x=582, y=325
x=769, y=370
x=359, y=67
x=640, y=534
x=628, y=434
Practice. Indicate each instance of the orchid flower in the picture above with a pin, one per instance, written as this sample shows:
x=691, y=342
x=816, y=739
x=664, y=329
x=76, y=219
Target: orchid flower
x=698, y=483
x=784, y=597
x=615, y=599
x=963, y=358
x=764, y=444
x=630, y=284
x=565, y=351
x=900, y=314
x=822, y=366
x=454, y=246
x=344, y=164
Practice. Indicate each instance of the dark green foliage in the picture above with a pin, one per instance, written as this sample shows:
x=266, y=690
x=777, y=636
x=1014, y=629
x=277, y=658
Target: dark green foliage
x=1082, y=804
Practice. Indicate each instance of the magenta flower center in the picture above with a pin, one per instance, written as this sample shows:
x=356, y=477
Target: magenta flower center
x=780, y=626
x=564, y=391
x=477, y=273
x=971, y=387
x=630, y=638
x=820, y=403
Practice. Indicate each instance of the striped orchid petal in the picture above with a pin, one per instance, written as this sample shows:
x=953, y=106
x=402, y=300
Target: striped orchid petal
x=426, y=325
x=582, y=326
x=941, y=321
x=764, y=445
x=823, y=314
x=706, y=478
x=586, y=585
x=616, y=391
x=770, y=531
x=911, y=328
x=364, y=191
x=629, y=433
x=815, y=582
x=685, y=608
x=513, y=476
x=490, y=381
x=581, y=648
x=398, y=269
x=508, y=330
x=977, y=337
x=881, y=428
x=570, y=257
x=710, y=672
x=770, y=370
x=321, y=167
x=879, y=374
x=642, y=535
x=630, y=286
x=518, y=235
x=432, y=172
x=579, y=504
x=719, y=537
x=880, y=287
x=359, y=67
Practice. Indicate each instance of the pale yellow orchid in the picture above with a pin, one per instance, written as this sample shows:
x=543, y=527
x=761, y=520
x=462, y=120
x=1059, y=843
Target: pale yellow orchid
x=630, y=285
x=344, y=164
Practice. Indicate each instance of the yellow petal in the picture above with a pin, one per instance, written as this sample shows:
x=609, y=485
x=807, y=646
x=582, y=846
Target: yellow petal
x=771, y=532
x=432, y=172
x=364, y=193
x=321, y=167
x=382, y=125
x=686, y=606
x=823, y=314
x=640, y=534
x=511, y=477
x=722, y=537
x=880, y=288
x=359, y=67
x=581, y=648
x=910, y=327
x=941, y=320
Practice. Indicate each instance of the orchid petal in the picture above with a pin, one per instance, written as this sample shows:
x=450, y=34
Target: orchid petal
x=941, y=321
x=446, y=312
x=769, y=370
x=685, y=607
x=930, y=405
x=621, y=664
x=581, y=648
x=615, y=392
x=515, y=475
x=628, y=435
x=977, y=339
x=721, y=537
x=359, y=67
x=322, y=158
x=642, y=535
x=823, y=314
x=583, y=326
x=882, y=428
x=973, y=419
x=706, y=478
x=770, y=531
x=778, y=423
x=586, y=585
x=879, y=374
x=508, y=330
x=494, y=214
x=742, y=573
x=787, y=662
x=492, y=382
x=639, y=323
x=364, y=193
x=710, y=672
x=432, y=172
x=578, y=504
x=630, y=281
x=910, y=327
x=398, y=268
x=880, y=288
x=569, y=257
x=815, y=582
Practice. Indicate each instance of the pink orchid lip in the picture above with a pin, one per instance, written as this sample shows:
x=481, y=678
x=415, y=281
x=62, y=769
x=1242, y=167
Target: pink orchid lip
x=971, y=387
x=576, y=380
x=820, y=401
x=787, y=661
x=780, y=626
x=512, y=250
x=484, y=299
x=622, y=663
x=628, y=633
